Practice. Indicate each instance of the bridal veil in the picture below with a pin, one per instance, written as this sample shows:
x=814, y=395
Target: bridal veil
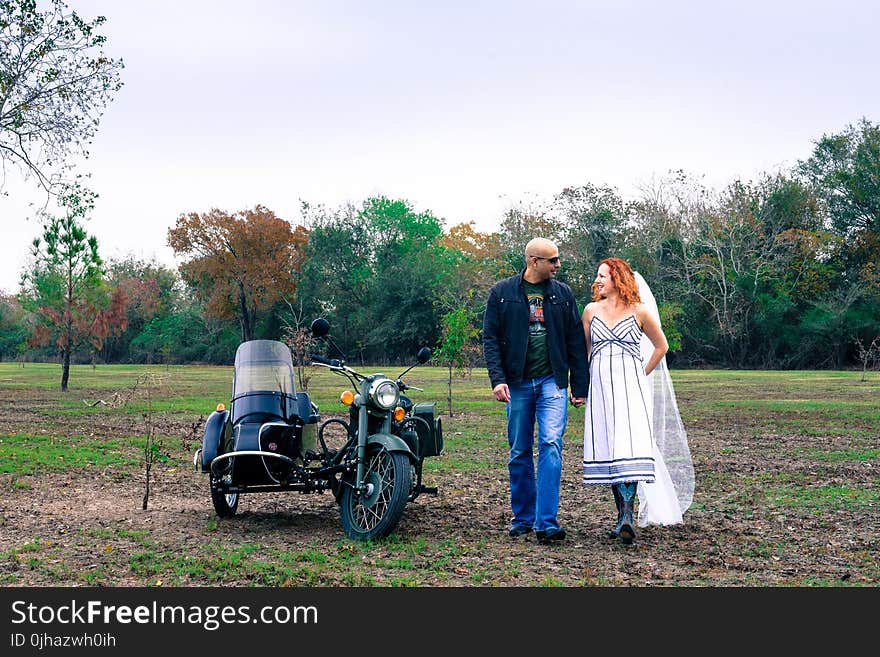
x=665, y=500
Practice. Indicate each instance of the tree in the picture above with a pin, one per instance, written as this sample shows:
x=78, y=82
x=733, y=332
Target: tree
x=337, y=274
x=520, y=224
x=729, y=258
x=13, y=331
x=459, y=346
x=240, y=264
x=299, y=339
x=654, y=233
x=55, y=82
x=154, y=446
x=64, y=286
x=410, y=268
x=845, y=171
x=593, y=220
x=753, y=267
x=869, y=355
x=183, y=337
x=478, y=261
x=376, y=273
x=151, y=288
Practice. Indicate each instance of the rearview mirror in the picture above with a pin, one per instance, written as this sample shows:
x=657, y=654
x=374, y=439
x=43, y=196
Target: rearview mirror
x=320, y=327
x=424, y=355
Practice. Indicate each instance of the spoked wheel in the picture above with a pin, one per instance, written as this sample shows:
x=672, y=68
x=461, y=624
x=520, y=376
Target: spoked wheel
x=376, y=513
x=225, y=504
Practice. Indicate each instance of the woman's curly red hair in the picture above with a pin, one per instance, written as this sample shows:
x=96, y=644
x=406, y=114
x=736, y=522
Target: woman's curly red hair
x=624, y=281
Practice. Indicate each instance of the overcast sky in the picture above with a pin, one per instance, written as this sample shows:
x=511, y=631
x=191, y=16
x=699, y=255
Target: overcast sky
x=463, y=108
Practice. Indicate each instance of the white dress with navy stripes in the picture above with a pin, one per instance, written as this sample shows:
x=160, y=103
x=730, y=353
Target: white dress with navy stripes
x=618, y=444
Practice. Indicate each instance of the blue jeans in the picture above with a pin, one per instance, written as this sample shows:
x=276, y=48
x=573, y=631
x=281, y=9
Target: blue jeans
x=535, y=502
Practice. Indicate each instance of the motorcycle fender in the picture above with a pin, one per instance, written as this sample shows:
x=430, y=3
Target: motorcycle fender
x=391, y=443
x=214, y=426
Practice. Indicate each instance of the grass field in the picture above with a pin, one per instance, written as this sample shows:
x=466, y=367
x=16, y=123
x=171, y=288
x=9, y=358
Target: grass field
x=787, y=490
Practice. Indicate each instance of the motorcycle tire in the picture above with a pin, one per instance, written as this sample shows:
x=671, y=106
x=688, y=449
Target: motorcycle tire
x=375, y=515
x=225, y=504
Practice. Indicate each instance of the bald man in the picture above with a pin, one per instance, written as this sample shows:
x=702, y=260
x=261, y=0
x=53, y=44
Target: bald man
x=534, y=345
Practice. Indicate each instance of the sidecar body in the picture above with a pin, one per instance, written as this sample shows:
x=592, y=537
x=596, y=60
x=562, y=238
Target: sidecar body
x=265, y=438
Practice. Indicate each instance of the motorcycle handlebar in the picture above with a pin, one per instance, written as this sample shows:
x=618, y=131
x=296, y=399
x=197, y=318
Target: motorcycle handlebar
x=330, y=362
x=341, y=367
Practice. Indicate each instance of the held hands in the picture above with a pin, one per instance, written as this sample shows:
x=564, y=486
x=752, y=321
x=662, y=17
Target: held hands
x=502, y=394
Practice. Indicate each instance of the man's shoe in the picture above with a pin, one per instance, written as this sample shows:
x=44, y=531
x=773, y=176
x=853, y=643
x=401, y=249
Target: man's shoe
x=518, y=530
x=548, y=535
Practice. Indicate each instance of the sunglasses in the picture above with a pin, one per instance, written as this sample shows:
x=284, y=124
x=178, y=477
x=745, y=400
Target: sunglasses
x=553, y=261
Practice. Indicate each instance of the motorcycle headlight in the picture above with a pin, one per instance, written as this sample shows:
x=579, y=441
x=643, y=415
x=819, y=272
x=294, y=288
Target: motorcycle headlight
x=384, y=393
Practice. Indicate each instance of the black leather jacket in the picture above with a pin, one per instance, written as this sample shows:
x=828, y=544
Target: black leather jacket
x=506, y=334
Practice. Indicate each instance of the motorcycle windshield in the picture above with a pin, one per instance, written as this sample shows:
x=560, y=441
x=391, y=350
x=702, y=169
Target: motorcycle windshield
x=263, y=365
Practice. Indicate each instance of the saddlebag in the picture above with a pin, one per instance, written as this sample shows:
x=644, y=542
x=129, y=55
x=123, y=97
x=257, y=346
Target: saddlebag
x=430, y=436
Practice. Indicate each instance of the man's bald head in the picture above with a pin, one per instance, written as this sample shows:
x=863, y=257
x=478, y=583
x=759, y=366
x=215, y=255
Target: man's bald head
x=542, y=260
x=541, y=246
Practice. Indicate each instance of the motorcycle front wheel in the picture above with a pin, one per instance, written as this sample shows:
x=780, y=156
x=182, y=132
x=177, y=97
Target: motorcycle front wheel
x=225, y=504
x=376, y=513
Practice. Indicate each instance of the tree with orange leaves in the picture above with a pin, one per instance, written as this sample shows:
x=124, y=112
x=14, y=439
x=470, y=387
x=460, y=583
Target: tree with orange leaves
x=241, y=263
x=479, y=259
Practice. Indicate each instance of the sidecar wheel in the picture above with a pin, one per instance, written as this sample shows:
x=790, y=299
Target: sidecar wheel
x=225, y=504
x=373, y=516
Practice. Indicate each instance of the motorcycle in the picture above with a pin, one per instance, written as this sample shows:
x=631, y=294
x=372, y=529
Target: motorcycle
x=389, y=438
x=272, y=439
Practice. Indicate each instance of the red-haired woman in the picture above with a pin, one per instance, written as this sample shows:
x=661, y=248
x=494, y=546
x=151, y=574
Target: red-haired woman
x=620, y=448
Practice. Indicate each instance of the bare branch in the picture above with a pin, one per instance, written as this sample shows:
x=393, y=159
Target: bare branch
x=55, y=82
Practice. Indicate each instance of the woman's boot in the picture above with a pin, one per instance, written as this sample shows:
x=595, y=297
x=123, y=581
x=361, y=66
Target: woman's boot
x=626, y=528
x=618, y=501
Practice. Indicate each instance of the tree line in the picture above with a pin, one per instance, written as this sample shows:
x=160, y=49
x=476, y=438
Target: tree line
x=778, y=272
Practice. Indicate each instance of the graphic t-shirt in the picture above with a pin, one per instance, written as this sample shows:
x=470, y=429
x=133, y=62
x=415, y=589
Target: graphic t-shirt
x=537, y=356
